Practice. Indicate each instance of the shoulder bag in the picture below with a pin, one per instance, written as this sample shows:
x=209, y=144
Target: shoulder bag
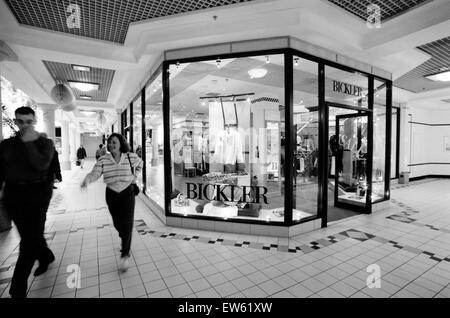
x=134, y=185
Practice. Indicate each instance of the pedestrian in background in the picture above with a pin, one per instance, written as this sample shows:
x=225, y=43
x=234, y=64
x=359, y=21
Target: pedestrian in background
x=101, y=151
x=81, y=155
x=119, y=168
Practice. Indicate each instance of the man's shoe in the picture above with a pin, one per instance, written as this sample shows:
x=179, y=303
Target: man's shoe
x=43, y=266
x=124, y=263
x=18, y=290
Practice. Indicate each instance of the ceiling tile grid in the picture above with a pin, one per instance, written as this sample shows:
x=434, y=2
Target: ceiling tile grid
x=389, y=8
x=106, y=20
x=62, y=73
x=415, y=80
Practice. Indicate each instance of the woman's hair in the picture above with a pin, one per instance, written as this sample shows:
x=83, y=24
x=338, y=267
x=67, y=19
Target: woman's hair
x=124, y=146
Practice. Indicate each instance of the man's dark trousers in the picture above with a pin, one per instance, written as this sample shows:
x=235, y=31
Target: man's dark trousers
x=27, y=206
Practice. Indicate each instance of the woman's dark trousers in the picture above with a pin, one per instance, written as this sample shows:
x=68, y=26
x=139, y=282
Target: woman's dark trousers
x=121, y=207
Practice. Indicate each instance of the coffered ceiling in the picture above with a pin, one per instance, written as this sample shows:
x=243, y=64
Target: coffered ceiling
x=63, y=73
x=106, y=20
x=388, y=8
x=415, y=80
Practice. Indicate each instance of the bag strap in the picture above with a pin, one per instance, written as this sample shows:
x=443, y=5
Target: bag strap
x=132, y=170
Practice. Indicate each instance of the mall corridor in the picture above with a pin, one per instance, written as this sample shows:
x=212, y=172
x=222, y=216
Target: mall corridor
x=409, y=243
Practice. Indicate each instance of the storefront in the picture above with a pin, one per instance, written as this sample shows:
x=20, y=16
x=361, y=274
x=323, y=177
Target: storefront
x=270, y=137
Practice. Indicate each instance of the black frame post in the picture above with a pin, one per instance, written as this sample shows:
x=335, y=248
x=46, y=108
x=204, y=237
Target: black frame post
x=143, y=137
x=130, y=128
x=322, y=198
x=370, y=145
x=387, y=178
x=289, y=198
x=167, y=142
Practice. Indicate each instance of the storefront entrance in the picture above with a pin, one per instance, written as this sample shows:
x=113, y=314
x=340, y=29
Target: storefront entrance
x=348, y=161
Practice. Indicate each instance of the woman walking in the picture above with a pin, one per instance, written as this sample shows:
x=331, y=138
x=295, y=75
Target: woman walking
x=119, y=168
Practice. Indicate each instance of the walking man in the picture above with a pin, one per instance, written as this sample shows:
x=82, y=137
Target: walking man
x=25, y=161
x=81, y=155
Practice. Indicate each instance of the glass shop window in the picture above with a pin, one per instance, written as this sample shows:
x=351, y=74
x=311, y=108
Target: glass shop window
x=228, y=138
x=154, y=141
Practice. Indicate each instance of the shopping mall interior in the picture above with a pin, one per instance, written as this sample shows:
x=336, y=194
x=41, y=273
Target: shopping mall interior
x=287, y=145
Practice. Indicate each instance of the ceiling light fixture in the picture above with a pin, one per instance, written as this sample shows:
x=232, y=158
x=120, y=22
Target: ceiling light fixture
x=440, y=77
x=84, y=86
x=257, y=72
x=267, y=59
x=87, y=97
x=81, y=68
x=218, y=62
x=296, y=61
x=88, y=112
x=178, y=65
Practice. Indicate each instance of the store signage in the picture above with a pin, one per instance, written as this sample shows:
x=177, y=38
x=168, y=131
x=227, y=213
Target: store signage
x=345, y=88
x=212, y=192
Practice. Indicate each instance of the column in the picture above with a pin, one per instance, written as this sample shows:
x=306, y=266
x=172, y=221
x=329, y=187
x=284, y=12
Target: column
x=405, y=138
x=119, y=121
x=77, y=137
x=48, y=117
x=72, y=142
x=65, y=141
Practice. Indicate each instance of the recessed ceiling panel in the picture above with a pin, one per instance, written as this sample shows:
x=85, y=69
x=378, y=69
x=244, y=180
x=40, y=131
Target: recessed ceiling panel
x=415, y=80
x=103, y=19
x=63, y=73
x=389, y=8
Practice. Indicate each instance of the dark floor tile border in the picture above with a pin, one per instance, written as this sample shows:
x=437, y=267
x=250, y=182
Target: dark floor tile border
x=304, y=249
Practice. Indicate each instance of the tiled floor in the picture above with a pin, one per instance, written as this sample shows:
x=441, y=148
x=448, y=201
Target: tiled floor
x=409, y=242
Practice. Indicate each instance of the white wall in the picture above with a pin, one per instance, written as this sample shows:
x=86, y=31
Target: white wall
x=90, y=143
x=424, y=144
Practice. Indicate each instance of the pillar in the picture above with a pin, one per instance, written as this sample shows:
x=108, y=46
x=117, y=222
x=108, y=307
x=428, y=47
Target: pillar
x=119, y=121
x=72, y=142
x=405, y=138
x=48, y=117
x=65, y=141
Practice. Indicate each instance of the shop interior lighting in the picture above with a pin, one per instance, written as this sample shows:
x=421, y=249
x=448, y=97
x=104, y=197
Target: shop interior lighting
x=296, y=61
x=87, y=97
x=178, y=65
x=81, y=68
x=257, y=72
x=267, y=59
x=440, y=77
x=84, y=86
x=218, y=62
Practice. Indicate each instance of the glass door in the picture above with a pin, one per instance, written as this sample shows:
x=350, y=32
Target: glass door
x=351, y=184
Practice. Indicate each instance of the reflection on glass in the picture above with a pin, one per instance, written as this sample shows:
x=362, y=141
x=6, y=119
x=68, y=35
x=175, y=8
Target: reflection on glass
x=306, y=127
x=394, y=143
x=137, y=132
x=154, y=142
x=351, y=158
x=379, y=141
x=227, y=138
